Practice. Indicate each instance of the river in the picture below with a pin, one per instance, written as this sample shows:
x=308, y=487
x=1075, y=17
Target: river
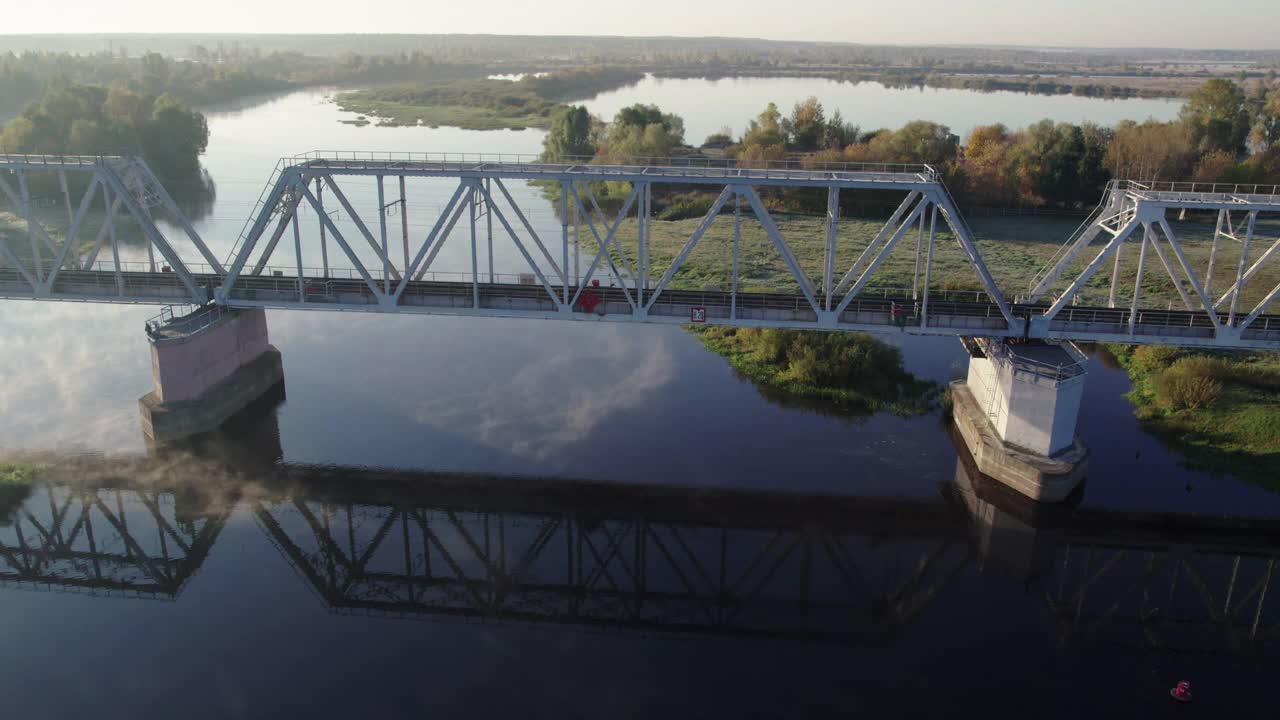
x=946, y=617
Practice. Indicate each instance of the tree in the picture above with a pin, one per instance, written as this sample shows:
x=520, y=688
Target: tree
x=1093, y=172
x=723, y=136
x=918, y=141
x=570, y=135
x=839, y=134
x=1151, y=151
x=1218, y=117
x=1214, y=166
x=643, y=131
x=174, y=139
x=764, y=139
x=807, y=125
x=1266, y=125
x=765, y=128
x=987, y=163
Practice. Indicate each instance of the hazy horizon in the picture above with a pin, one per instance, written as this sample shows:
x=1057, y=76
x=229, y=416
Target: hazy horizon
x=1084, y=24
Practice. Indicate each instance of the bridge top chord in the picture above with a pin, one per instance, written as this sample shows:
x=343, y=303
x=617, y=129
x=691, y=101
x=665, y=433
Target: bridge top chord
x=1227, y=196
x=700, y=170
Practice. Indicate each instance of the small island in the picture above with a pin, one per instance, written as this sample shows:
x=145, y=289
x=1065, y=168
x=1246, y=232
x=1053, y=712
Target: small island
x=852, y=373
x=485, y=103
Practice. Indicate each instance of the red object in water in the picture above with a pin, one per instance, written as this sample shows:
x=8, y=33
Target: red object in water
x=1181, y=692
x=589, y=300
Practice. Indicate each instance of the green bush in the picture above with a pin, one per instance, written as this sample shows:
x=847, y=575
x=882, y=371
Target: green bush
x=1147, y=359
x=1188, y=384
x=853, y=370
x=1216, y=368
x=684, y=207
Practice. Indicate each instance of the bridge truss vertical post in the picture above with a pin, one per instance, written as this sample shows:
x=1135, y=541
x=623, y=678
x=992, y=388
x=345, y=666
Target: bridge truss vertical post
x=829, y=266
x=66, y=195
x=404, y=223
x=644, y=260
x=475, y=260
x=382, y=234
x=737, y=241
x=1240, y=274
x=915, y=275
x=1115, y=277
x=1137, y=283
x=24, y=192
x=297, y=253
x=564, y=236
x=928, y=267
x=324, y=240
x=1213, y=252
x=151, y=252
x=111, y=232
x=488, y=224
x=577, y=245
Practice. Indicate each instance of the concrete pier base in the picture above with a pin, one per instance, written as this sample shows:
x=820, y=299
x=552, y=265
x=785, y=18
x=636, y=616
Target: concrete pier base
x=206, y=367
x=1016, y=414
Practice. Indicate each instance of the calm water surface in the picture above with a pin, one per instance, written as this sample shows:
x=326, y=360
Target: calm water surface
x=708, y=105
x=286, y=567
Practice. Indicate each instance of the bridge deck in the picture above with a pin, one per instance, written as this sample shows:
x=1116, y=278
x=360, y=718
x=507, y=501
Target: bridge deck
x=874, y=310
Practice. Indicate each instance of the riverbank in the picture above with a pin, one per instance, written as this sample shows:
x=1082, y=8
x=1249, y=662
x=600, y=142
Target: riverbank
x=853, y=373
x=1220, y=410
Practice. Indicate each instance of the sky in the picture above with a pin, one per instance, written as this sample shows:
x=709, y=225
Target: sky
x=1234, y=24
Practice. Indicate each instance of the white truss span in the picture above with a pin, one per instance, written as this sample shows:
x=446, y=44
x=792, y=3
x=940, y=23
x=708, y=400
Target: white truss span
x=841, y=299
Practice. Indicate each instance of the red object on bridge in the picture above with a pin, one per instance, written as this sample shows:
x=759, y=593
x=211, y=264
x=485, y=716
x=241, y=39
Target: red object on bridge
x=697, y=314
x=589, y=300
x=1181, y=692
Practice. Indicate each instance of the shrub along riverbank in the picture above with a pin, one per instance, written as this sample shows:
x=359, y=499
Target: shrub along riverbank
x=852, y=372
x=1221, y=410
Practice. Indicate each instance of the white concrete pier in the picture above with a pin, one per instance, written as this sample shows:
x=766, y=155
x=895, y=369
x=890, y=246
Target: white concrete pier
x=1017, y=413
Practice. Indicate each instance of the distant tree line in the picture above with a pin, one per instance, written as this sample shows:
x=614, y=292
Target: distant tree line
x=1223, y=134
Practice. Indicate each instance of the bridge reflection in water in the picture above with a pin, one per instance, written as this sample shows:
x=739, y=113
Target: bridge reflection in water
x=707, y=561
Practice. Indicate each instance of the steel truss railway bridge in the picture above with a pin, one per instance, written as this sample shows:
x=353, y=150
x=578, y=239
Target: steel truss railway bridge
x=660, y=559
x=1017, y=408
x=371, y=275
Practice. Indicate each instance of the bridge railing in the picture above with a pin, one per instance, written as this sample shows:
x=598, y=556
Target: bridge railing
x=58, y=160
x=1161, y=186
x=958, y=295
x=535, y=162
